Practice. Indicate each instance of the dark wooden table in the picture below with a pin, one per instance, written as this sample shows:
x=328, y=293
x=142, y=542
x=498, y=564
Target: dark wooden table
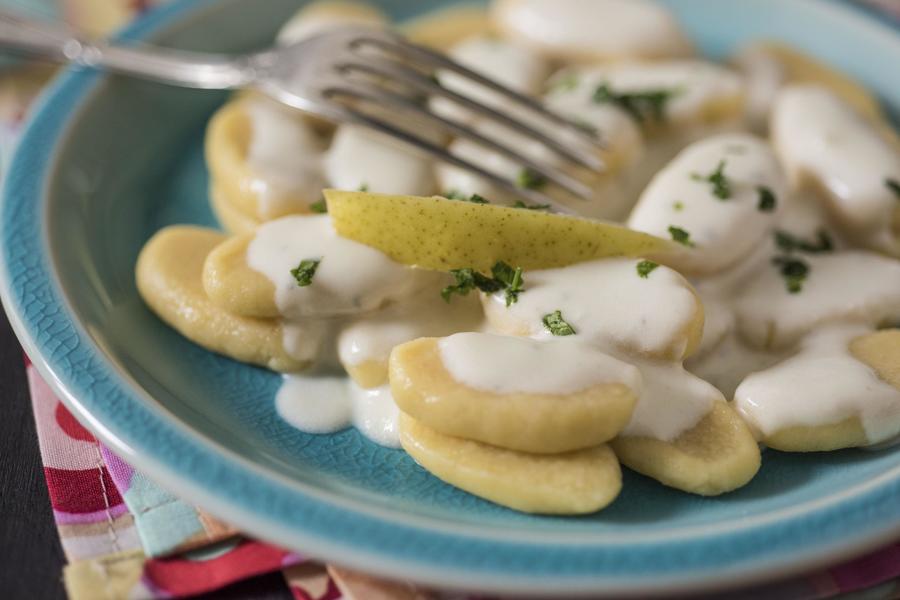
x=31, y=558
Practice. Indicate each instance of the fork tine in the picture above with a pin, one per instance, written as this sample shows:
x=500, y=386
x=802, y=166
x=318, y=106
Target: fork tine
x=437, y=60
x=574, y=154
x=440, y=153
x=391, y=99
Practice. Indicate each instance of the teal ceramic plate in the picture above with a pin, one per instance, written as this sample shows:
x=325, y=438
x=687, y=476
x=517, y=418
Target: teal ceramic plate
x=107, y=161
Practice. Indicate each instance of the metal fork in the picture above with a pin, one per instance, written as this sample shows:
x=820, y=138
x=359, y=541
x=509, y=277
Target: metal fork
x=344, y=76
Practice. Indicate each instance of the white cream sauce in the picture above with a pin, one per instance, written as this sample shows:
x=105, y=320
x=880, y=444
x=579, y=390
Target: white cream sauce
x=373, y=336
x=307, y=339
x=622, y=139
x=850, y=285
x=822, y=385
x=375, y=414
x=598, y=29
x=718, y=322
x=624, y=323
x=817, y=135
x=285, y=156
x=722, y=231
x=314, y=403
x=325, y=404
x=696, y=87
x=363, y=159
x=506, y=62
x=726, y=364
x=606, y=302
x=672, y=402
x=503, y=364
x=351, y=278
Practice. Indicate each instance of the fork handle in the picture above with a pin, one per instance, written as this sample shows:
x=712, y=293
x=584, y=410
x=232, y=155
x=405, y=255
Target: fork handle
x=175, y=67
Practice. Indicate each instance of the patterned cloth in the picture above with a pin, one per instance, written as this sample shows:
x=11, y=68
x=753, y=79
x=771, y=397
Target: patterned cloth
x=125, y=537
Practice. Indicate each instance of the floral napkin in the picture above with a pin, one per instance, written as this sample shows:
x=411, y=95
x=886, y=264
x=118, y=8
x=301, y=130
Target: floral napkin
x=125, y=537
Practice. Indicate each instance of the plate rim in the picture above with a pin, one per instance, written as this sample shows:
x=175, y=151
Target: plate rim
x=26, y=182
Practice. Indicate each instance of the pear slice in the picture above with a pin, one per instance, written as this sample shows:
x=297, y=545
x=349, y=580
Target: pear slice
x=717, y=455
x=169, y=280
x=537, y=422
x=436, y=233
x=578, y=482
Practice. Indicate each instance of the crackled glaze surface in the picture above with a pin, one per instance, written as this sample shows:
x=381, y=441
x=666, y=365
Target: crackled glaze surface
x=76, y=213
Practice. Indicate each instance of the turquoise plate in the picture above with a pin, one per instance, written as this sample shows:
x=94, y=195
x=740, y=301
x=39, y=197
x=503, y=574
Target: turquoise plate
x=106, y=161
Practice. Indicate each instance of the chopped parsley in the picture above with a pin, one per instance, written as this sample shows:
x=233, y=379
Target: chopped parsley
x=788, y=242
x=678, y=206
x=721, y=187
x=503, y=277
x=363, y=187
x=520, y=204
x=530, y=180
x=894, y=186
x=511, y=279
x=794, y=271
x=642, y=106
x=767, y=201
x=466, y=280
x=319, y=207
x=457, y=195
x=681, y=236
x=645, y=267
x=305, y=271
x=555, y=323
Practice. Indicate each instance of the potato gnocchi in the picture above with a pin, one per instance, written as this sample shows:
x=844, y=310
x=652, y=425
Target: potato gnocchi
x=521, y=355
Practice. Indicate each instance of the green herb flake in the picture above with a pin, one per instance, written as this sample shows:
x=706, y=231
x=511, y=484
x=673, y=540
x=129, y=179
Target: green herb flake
x=643, y=106
x=645, y=267
x=305, y=271
x=893, y=185
x=457, y=195
x=555, y=323
x=318, y=207
x=511, y=279
x=681, y=236
x=767, y=201
x=720, y=184
x=794, y=271
x=678, y=206
x=363, y=187
x=530, y=180
x=520, y=204
x=789, y=243
x=503, y=277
